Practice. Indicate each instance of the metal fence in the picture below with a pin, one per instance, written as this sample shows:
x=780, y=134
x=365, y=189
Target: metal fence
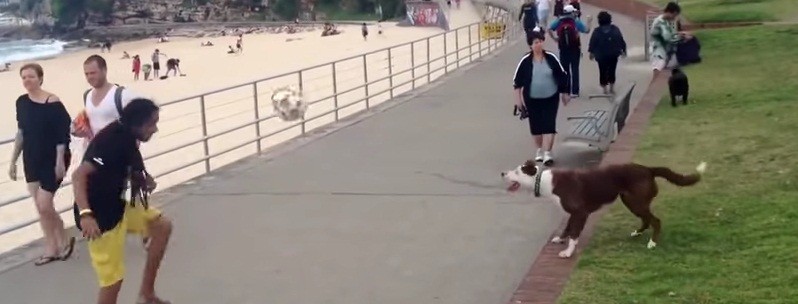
x=354, y=84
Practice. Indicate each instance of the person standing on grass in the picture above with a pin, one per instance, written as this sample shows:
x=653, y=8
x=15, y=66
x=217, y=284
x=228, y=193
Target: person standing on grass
x=530, y=16
x=43, y=139
x=665, y=37
x=606, y=45
x=568, y=28
x=540, y=83
x=104, y=217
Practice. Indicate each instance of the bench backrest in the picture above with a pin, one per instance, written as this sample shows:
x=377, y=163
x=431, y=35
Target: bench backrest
x=622, y=102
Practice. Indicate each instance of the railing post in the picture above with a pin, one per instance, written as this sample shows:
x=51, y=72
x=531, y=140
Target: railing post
x=335, y=91
x=366, y=79
x=480, y=38
x=445, y=55
x=429, y=65
x=301, y=89
x=413, y=63
x=205, y=134
x=470, y=46
x=457, y=45
x=257, y=115
x=390, y=73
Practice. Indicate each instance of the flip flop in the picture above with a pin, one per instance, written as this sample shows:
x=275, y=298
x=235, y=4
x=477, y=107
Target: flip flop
x=46, y=260
x=68, y=249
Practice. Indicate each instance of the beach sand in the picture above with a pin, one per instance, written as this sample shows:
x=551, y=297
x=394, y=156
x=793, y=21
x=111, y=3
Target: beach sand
x=211, y=68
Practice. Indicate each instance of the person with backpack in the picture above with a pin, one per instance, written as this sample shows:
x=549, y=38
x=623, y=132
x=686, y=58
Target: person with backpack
x=568, y=28
x=606, y=45
x=530, y=16
x=104, y=104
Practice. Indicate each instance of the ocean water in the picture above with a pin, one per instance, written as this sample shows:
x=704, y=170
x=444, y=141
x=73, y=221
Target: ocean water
x=21, y=50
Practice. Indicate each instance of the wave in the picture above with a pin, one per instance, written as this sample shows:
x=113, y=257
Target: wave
x=21, y=50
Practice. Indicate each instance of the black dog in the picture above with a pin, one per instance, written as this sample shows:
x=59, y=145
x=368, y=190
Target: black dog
x=679, y=86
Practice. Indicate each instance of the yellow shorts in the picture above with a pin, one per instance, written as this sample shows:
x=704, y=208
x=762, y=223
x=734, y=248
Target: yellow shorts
x=108, y=251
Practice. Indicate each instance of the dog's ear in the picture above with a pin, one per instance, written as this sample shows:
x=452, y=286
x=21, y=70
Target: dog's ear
x=529, y=168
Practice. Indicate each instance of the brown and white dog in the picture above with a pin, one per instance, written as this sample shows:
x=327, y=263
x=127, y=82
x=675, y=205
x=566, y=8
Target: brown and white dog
x=581, y=192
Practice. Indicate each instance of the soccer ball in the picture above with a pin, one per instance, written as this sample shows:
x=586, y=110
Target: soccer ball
x=288, y=103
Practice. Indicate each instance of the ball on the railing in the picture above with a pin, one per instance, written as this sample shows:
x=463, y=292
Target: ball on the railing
x=288, y=103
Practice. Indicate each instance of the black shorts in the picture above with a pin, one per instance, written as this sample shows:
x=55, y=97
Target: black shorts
x=44, y=174
x=543, y=114
x=156, y=66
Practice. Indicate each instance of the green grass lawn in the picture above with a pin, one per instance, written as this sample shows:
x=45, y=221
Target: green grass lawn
x=733, y=238
x=736, y=10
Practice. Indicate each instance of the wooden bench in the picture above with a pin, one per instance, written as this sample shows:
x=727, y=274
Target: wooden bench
x=600, y=126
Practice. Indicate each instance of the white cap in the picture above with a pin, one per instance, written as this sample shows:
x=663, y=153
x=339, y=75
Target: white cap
x=569, y=9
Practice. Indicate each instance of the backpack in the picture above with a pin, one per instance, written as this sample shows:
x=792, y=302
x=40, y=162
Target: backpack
x=117, y=98
x=568, y=36
x=606, y=42
x=558, y=8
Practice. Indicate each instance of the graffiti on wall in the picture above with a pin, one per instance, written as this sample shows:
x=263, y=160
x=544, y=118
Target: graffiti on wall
x=425, y=13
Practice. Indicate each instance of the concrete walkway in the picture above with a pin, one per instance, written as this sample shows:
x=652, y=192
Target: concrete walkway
x=405, y=206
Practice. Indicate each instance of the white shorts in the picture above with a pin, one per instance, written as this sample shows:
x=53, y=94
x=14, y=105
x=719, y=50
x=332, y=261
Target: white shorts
x=658, y=63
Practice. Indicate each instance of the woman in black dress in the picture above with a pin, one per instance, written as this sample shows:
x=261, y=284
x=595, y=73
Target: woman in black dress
x=540, y=83
x=43, y=139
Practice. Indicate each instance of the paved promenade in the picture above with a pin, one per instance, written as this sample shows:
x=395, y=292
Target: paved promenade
x=402, y=205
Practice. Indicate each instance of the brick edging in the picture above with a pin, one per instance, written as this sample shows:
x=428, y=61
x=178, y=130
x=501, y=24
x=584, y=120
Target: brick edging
x=546, y=278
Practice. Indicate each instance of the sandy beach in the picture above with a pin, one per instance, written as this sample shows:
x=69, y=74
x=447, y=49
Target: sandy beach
x=211, y=68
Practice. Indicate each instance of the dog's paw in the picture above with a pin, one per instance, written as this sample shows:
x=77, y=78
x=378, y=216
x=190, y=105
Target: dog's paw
x=636, y=233
x=557, y=240
x=651, y=244
x=566, y=253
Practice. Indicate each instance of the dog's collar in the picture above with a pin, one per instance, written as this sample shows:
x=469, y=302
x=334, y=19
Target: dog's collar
x=537, y=183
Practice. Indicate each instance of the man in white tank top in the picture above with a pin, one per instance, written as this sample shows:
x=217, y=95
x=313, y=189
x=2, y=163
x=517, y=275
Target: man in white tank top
x=101, y=106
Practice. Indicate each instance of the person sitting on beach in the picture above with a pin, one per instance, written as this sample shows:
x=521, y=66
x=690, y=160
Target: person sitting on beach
x=208, y=43
x=125, y=55
x=173, y=64
x=231, y=51
x=146, y=68
x=6, y=67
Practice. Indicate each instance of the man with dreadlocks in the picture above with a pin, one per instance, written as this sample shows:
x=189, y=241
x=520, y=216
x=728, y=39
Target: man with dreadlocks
x=113, y=158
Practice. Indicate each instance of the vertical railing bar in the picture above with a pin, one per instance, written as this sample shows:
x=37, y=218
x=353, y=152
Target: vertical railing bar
x=257, y=115
x=429, y=65
x=205, y=134
x=390, y=73
x=366, y=79
x=335, y=90
x=413, y=64
x=301, y=89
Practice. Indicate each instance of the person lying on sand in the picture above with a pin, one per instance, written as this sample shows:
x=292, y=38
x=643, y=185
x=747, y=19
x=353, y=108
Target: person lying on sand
x=208, y=43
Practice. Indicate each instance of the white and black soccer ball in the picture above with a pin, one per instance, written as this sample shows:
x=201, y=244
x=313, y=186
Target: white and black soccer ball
x=288, y=103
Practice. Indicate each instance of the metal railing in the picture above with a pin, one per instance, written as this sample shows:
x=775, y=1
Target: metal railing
x=421, y=71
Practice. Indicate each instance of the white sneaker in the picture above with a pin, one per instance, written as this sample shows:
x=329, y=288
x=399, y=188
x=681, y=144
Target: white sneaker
x=548, y=160
x=539, y=156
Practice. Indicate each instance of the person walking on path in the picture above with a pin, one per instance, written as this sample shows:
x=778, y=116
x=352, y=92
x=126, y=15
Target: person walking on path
x=544, y=10
x=606, y=45
x=102, y=215
x=568, y=28
x=530, y=17
x=43, y=139
x=540, y=83
x=665, y=37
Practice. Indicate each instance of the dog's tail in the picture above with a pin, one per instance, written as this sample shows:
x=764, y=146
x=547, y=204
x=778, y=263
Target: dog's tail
x=680, y=179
